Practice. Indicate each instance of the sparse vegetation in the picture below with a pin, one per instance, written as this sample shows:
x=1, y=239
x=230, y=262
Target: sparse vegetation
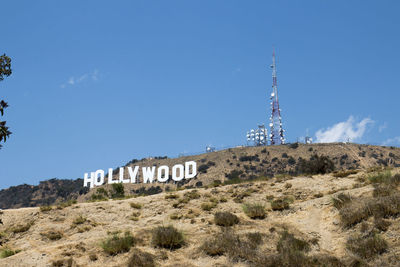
x=254, y=210
x=225, y=219
x=118, y=244
x=167, y=237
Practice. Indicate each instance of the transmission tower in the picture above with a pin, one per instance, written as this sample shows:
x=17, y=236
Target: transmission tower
x=276, y=130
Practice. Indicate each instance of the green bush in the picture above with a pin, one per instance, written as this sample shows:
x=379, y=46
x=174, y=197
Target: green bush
x=167, y=237
x=118, y=244
x=254, y=210
x=136, y=205
x=118, y=191
x=46, y=208
x=381, y=177
x=225, y=219
x=100, y=195
x=6, y=252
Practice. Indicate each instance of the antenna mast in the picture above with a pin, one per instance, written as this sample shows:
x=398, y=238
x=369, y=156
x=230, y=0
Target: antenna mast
x=276, y=132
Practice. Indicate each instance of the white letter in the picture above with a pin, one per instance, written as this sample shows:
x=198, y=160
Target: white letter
x=110, y=177
x=121, y=176
x=96, y=177
x=87, y=180
x=133, y=173
x=189, y=175
x=148, y=174
x=181, y=172
x=166, y=174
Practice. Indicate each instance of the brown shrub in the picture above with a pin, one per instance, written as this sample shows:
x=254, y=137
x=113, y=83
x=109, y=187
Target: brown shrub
x=381, y=224
x=341, y=200
x=167, y=237
x=229, y=244
x=280, y=204
x=225, y=219
x=207, y=206
x=52, y=235
x=367, y=247
x=255, y=210
x=355, y=212
x=141, y=259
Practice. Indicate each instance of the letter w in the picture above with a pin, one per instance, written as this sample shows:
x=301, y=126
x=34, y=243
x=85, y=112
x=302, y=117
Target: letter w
x=148, y=174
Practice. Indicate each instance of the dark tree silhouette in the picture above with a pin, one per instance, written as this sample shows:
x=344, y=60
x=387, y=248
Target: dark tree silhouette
x=5, y=71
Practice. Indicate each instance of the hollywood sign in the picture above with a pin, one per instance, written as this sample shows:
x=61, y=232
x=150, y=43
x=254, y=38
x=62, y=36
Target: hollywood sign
x=149, y=174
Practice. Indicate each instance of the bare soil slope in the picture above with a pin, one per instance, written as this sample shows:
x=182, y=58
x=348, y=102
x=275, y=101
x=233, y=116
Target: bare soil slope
x=72, y=236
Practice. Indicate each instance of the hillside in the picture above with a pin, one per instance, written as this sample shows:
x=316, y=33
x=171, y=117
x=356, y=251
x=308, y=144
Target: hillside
x=243, y=163
x=46, y=193
x=343, y=219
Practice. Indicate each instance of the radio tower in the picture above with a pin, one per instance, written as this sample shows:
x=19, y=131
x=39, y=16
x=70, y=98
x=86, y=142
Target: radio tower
x=276, y=132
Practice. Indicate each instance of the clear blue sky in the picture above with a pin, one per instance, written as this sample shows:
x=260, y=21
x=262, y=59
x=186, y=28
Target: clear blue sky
x=98, y=83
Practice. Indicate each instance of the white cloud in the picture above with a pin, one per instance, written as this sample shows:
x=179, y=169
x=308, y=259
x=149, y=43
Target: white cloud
x=75, y=80
x=349, y=130
x=392, y=141
x=382, y=127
